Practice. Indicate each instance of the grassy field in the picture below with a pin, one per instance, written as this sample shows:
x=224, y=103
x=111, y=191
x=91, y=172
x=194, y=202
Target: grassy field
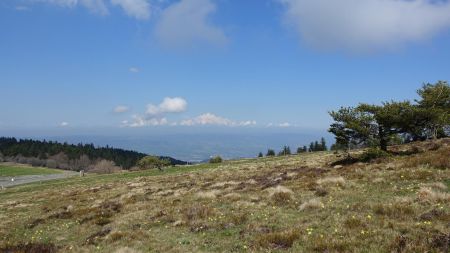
x=284, y=204
x=7, y=170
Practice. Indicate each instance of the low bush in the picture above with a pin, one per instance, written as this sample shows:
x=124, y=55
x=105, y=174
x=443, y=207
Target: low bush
x=372, y=154
x=216, y=159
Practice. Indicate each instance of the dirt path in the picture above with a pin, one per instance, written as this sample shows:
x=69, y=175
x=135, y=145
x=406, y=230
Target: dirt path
x=19, y=180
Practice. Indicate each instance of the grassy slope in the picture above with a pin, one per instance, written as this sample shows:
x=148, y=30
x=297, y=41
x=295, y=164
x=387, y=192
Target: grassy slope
x=236, y=206
x=19, y=170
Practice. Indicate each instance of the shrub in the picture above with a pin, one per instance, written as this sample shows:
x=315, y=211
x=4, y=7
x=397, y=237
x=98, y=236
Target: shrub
x=152, y=162
x=105, y=167
x=372, y=154
x=216, y=159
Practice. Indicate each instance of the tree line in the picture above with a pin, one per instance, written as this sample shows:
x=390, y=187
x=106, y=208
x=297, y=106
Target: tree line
x=67, y=156
x=394, y=122
x=286, y=150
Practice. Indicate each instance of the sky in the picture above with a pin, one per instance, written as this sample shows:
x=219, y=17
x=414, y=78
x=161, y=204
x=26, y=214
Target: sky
x=142, y=66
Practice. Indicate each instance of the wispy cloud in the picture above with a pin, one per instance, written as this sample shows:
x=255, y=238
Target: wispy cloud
x=366, y=25
x=186, y=23
x=212, y=119
x=140, y=121
x=134, y=70
x=22, y=8
x=121, y=109
x=64, y=124
x=139, y=9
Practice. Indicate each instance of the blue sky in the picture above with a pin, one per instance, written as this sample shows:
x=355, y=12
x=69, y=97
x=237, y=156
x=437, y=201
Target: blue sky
x=155, y=65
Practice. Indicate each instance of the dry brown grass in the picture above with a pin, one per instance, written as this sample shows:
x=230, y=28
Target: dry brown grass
x=311, y=204
x=277, y=240
x=331, y=181
x=437, y=186
x=426, y=194
x=197, y=211
x=281, y=198
x=238, y=206
x=397, y=210
x=439, y=159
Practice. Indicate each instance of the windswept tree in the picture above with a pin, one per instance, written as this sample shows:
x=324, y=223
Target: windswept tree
x=351, y=127
x=152, y=162
x=435, y=105
x=389, y=120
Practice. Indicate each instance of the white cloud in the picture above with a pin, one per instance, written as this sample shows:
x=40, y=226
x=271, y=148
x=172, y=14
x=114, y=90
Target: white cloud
x=134, y=70
x=64, y=124
x=121, y=109
x=168, y=105
x=185, y=23
x=285, y=124
x=94, y=6
x=366, y=25
x=212, y=119
x=139, y=121
x=139, y=9
x=62, y=3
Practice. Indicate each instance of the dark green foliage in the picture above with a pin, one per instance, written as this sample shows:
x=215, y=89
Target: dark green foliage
x=153, y=162
x=216, y=159
x=316, y=146
x=435, y=102
x=352, y=127
x=260, y=155
x=285, y=151
x=395, y=122
x=303, y=149
x=270, y=152
x=86, y=154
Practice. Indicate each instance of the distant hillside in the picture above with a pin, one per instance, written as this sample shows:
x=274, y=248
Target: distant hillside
x=67, y=156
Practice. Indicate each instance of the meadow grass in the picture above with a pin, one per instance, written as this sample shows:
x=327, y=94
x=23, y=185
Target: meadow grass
x=282, y=204
x=19, y=170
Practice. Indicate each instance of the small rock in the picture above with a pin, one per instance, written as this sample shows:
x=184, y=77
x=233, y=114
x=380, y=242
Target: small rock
x=337, y=167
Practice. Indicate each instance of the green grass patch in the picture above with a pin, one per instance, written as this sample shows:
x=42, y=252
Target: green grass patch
x=14, y=171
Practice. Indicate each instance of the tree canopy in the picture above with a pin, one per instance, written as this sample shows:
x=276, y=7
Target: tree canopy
x=379, y=125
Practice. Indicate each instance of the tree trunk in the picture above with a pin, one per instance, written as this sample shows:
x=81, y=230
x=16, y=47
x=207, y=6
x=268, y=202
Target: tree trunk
x=382, y=137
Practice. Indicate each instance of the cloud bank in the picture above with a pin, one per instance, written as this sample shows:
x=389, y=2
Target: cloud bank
x=366, y=25
x=214, y=120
